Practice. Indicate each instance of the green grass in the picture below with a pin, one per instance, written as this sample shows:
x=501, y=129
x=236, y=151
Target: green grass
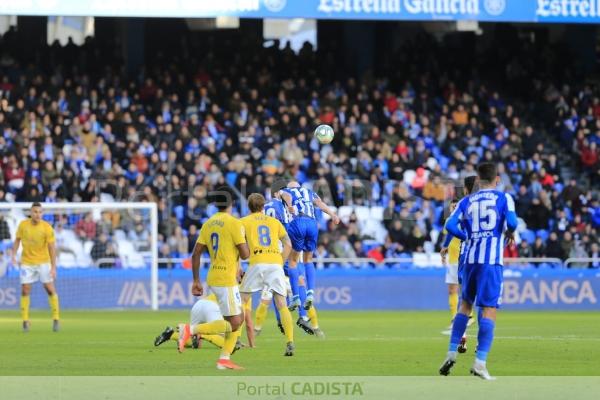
x=116, y=343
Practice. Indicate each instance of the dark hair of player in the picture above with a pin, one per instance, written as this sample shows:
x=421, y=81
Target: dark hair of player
x=277, y=185
x=256, y=202
x=487, y=173
x=36, y=204
x=469, y=182
x=222, y=197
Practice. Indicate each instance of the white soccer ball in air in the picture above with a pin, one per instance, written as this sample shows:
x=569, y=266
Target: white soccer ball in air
x=324, y=134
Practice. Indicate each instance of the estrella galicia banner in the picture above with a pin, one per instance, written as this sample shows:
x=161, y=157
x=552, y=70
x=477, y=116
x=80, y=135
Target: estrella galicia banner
x=365, y=289
x=566, y=11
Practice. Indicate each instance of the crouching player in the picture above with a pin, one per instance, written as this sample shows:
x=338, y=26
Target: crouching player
x=484, y=216
x=263, y=234
x=204, y=311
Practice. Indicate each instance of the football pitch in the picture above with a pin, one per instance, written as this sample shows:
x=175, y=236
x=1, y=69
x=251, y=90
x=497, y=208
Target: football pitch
x=120, y=343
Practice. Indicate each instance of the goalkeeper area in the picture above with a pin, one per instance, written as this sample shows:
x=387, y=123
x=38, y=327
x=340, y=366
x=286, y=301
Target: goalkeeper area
x=120, y=343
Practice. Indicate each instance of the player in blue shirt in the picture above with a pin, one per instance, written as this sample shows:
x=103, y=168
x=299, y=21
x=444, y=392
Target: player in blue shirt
x=308, y=320
x=483, y=221
x=304, y=233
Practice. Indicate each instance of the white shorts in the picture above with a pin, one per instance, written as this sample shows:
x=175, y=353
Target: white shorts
x=452, y=274
x=205, y=311
x=228, y=298
x=34, y=273
x=268, y=276
x=267, y=295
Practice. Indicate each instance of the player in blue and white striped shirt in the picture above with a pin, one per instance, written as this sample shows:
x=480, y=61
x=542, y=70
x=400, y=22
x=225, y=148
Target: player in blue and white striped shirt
x=304, y=233
x=481, y=220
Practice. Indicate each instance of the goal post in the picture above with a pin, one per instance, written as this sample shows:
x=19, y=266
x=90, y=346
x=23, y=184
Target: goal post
x=97, y=245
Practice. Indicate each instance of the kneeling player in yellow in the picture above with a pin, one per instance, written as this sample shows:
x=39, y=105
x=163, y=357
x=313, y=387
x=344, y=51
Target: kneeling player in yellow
x=266, y=262
x=38, y=262
x=204, y=311
x=224, y=237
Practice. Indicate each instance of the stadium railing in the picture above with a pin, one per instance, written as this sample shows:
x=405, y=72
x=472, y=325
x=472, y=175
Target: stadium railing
x=583, y=261
x=515, y=262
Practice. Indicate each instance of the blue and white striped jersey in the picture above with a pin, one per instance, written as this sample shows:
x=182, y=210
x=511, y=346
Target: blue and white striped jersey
x=276, y=209
x=302, y=201
x=480, y=220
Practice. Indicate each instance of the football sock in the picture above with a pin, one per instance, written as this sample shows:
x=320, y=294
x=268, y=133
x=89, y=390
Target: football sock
x=277, y=315
x=309, y=272
x=453, y=305
x=479, y=314
x=25, y=301
x=229, y=343
x=294, y=275
x=217, y=340
x=288, y=325
x=53, y=301
x=211, y=328
x=261, y=315
x=314, y=320
x=458, y=329
x=302, y=293
x=485, y=337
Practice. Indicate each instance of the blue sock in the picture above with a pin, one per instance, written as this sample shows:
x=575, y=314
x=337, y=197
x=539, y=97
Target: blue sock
x=294, y=274
x=458, y=330
x=302, y=292
x=309, y=269
x=276, y=312
x=479, y=314
x=485, y=337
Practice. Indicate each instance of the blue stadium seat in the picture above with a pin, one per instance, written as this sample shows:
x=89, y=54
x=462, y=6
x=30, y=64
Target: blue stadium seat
x=179, y=212
x=543, y=234
x=528, y=235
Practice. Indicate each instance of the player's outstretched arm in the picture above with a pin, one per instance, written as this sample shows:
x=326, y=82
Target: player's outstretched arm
x=196, y=257
x=325, y=208
x=445, y=245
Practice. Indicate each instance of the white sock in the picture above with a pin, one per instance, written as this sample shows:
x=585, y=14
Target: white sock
x=452, y=355
x=224, y=357
x=479, y=363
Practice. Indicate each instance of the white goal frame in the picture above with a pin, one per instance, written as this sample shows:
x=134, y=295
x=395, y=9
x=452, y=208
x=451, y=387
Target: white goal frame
x=152, y=207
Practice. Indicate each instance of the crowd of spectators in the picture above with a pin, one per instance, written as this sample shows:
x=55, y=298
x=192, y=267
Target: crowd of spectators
x=171, y=134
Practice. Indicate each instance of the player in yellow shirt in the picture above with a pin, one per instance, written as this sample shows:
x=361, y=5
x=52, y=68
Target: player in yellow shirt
x=224, y=237
x=266, y=262
x=38, y=262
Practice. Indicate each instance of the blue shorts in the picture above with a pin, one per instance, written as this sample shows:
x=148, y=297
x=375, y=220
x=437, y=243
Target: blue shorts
x=304, y=233
x=482, y=283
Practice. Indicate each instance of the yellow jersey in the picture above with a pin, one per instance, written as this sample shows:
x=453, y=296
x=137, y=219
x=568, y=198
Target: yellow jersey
x=35, y=239
x=453, y=250
x=221, y=234
x=263, y=234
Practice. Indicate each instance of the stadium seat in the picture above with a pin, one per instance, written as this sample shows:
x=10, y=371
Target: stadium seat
x=528, y=235
x=179, y=212
x=344, y=213
x=362, y=213
x=543, y=234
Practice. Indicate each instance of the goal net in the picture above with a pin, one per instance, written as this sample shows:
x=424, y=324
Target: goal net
x=107, y=255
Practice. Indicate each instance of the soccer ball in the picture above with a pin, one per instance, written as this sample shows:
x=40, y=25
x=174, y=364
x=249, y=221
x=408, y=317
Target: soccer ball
x=324, y=134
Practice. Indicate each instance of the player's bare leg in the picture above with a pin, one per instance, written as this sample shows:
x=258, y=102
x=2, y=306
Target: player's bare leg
x=54, y=307
x=247, y=303
x=25, y=301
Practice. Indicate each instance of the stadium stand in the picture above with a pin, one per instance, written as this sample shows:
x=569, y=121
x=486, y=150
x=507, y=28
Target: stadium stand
x=243, y=115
